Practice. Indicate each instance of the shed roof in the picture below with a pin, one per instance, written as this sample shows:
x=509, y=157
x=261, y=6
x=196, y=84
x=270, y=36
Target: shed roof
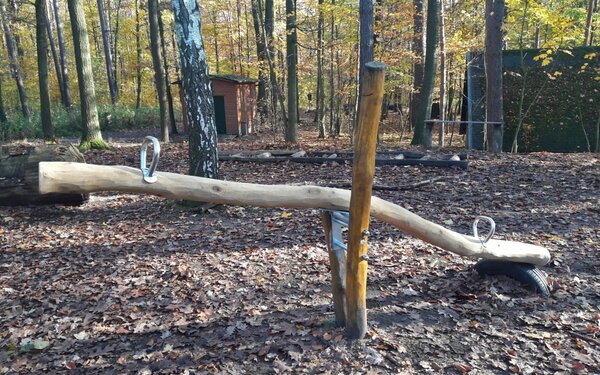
x=233, y=78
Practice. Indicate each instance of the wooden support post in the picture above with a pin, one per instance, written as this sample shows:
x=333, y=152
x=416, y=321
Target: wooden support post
x=363, y=170
x=337, y=261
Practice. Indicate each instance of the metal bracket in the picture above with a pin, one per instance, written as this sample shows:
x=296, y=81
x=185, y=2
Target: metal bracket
x=490, y=233
x=148, y=173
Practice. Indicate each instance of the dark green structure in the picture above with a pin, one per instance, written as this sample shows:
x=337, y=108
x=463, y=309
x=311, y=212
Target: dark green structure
x=551, y=96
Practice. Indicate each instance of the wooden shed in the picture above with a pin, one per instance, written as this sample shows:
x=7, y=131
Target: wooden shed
x=235, y=103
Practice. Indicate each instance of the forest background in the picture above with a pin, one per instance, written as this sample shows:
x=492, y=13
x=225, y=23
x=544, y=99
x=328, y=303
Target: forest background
x=327, y=58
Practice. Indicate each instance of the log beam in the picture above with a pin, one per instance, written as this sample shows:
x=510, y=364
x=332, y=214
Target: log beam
x=65, y=177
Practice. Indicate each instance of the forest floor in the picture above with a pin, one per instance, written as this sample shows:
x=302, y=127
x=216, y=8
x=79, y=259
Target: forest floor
x=129, y=283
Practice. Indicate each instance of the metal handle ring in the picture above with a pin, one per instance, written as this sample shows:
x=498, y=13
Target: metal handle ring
x=148, y=173
x=490, y=233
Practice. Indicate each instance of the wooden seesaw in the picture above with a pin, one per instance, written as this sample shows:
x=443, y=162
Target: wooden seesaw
x=67, y=177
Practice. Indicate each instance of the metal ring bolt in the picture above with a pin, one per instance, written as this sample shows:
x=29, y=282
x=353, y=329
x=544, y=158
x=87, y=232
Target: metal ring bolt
x=148, y=173
x=490, y=233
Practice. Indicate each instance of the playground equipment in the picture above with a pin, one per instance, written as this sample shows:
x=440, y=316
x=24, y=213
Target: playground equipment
x=66, y=177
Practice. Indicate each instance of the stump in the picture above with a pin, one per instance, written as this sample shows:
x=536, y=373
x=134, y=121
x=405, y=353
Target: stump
x=19, y=176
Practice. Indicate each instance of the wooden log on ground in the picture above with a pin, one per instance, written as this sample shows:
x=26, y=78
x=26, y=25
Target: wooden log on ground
x=463, y=164
x=64, y=177
x=19, y=176
x=363, y=171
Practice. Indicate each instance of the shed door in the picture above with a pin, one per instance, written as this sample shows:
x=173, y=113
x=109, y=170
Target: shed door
x=220, y=114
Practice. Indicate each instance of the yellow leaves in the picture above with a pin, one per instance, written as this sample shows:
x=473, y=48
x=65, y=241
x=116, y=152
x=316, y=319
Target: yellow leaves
x=546, y=61
x=590, y=56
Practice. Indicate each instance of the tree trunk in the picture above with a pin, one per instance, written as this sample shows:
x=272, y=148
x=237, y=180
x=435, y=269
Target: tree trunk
x=494, y=17
x=366, y=49
x=417, y=50
x=163, y=50
x=269, y=26
x=291, y=62
x=15, y=67
x=110, y=73
x=320, y=84
x=424, y=111
x=331, y=75
x=276, y=93
x=138, y=46
x=19, y=176
x=55, y=58
x=115, y=44
x=587, y=40
x=63, y=55
x=261, y=52
x=200, y=109
x=91, y=136
x=3, y=118
x=42, y=62
x=443, y=73
x=157, y=64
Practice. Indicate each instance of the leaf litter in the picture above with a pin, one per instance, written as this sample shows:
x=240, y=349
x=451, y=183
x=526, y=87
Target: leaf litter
x=129, y=283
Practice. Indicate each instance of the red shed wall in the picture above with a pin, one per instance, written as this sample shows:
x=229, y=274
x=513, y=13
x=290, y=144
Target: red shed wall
x=246, y=103
x=228, y=89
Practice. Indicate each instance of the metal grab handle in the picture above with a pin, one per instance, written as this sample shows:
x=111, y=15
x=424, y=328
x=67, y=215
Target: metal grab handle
x=148, y=173
x=491, y=232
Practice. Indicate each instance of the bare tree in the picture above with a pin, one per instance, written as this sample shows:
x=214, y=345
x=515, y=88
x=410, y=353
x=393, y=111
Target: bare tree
x=110, y=72
x=15, y=67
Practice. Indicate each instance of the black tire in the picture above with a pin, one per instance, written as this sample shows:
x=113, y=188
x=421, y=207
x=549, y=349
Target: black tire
x=524, y=273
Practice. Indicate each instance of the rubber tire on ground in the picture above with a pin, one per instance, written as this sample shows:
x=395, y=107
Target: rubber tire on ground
x=522, y=272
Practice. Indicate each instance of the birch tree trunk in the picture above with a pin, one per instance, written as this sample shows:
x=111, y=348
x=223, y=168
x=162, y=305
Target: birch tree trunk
x=494, y=17
x=196, y=88
x=91, y=137
x=110, y=73
x=291, y=40
x=431, y=46
x=157, y=64
x=42, y=62
x=63, y=55
x=15, y=67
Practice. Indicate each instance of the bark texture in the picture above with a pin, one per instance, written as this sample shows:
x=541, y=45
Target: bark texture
x=196, y=88
x=19, y=177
